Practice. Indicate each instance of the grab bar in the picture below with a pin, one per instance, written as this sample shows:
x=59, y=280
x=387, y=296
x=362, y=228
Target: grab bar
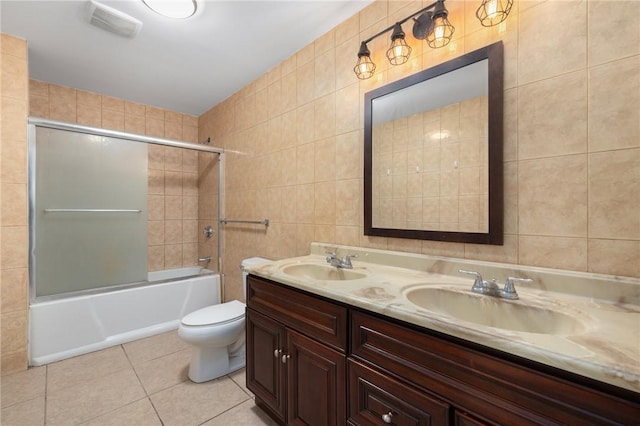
x=257, y=222
x=91, y=211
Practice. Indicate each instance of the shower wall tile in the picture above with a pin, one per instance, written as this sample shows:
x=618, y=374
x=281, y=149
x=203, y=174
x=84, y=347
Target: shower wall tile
x=89, y=116
x=112, y=120
x=62, y=103
x=134, y=124
x=88, y=98
x=13, y=290
x=113, y=104
x=14, y=204
x=133, y=108
x=14, y=99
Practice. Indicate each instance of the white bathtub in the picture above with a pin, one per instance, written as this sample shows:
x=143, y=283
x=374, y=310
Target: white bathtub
x=63, y=328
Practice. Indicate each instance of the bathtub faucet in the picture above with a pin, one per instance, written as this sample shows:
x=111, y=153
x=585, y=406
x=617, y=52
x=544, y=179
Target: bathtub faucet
x=205, y=259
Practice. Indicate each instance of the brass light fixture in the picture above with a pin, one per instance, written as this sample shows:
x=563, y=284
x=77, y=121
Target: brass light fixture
x=433, y=26
x=492, y=12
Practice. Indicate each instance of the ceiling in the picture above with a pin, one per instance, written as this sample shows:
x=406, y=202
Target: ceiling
x=184, y=65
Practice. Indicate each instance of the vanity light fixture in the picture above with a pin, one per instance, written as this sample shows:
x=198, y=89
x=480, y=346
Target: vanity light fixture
x=441, y=32
x=178, y=9
x=433, y=26
x=365, y=67
x=399, y=51
x=492, y=12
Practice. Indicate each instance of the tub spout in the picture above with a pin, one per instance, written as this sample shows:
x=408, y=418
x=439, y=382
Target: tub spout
x=205, y=259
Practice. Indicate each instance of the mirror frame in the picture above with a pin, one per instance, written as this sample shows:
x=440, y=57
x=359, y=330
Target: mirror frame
x=494, y=234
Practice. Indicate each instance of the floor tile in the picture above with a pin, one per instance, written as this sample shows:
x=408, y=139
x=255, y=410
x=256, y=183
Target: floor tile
x=139, y=413
x=162, y=373
x=84, y=401
x=240, y=378
x=246, y=413
x=23, y=386
x=85, y=368
x=154, y=347
x=194, y=403
x=27, y=413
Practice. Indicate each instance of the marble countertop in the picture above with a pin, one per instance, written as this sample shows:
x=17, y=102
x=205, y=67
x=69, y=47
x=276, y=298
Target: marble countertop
x=606, y=347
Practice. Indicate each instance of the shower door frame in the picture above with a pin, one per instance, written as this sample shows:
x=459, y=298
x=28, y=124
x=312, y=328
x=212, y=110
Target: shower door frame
x=34, y=122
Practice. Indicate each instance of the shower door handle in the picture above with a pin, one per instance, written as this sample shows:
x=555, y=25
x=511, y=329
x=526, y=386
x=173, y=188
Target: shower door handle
x=92, y=211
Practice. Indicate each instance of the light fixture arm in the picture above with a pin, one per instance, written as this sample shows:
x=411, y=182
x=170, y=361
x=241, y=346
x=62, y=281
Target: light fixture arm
x=402, y=21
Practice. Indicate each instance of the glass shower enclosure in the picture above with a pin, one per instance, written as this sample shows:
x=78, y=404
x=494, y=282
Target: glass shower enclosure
x=100, y=205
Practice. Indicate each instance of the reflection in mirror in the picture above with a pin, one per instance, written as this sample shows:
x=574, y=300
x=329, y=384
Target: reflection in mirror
x=433, y=152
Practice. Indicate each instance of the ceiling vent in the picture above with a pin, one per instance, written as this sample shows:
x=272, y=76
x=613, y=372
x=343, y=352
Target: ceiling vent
x=113, y=20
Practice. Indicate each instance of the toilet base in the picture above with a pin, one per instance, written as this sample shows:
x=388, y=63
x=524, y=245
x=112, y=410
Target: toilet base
x=208, y=363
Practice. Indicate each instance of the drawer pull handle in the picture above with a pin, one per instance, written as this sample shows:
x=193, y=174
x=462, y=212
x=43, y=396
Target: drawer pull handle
x=285, y=358
x=387, y=417
x=277, y=353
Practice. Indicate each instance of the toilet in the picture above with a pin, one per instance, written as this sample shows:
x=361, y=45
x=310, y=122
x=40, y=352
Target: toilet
x=217, y=335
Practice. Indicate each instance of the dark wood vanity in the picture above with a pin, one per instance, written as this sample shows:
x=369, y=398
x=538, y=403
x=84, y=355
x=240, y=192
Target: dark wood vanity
x=315, y=361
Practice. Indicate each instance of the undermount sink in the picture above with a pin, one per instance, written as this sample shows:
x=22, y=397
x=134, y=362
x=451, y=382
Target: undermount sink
x=493, y=312
x=322, y=272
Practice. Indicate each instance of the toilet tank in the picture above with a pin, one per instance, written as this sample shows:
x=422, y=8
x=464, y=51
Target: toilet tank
x=244, y=264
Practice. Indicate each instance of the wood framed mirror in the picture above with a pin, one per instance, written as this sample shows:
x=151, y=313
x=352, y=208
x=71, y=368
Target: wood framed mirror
x=433, y=146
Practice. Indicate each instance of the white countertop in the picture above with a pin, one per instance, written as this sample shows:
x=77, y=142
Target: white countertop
x=607, y=348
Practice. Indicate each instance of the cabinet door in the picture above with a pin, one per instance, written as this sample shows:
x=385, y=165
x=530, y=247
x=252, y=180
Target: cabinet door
x=376, y=399
x=266, y=377
x=317, y=382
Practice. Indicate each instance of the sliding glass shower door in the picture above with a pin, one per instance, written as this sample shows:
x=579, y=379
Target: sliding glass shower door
x=88, y=211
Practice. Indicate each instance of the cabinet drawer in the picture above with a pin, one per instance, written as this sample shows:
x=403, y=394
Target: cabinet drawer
x=319, y=319
x=375, y=399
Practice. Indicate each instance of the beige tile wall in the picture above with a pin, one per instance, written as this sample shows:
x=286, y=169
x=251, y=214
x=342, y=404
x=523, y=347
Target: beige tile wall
x=13, y=195
x=173, y=172
x=572, y=138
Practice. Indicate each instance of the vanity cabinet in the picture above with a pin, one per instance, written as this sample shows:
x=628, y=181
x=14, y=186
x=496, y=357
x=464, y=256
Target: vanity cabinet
x=296, y=354
x=318, y=362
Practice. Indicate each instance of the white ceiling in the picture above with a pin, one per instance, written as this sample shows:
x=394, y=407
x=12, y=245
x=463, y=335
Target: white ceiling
x=184, y=65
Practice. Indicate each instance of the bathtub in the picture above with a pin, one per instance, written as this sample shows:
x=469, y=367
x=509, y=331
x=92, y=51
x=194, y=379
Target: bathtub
x=63, y=328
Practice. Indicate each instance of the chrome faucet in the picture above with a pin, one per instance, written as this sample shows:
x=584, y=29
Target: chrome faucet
x=345, y=263
x=491, y=288
x=205, y=259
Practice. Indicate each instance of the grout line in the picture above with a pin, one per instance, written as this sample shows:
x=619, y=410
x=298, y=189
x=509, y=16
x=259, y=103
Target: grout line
x=225, y=411
x=46, y=393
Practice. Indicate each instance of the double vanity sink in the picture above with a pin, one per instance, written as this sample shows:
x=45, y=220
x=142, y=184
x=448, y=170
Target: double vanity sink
x=457, y=302
x=579, y=323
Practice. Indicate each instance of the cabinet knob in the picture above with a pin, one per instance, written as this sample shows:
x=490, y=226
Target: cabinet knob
x=387, y=417
x=285, y=358
x=277, y=353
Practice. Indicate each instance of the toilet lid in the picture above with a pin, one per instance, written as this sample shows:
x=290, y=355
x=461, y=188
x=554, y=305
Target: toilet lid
x=216, y=314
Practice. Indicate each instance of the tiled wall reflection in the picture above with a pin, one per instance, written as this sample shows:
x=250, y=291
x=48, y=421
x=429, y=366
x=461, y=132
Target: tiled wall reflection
x=572, y=137
x=430, y=169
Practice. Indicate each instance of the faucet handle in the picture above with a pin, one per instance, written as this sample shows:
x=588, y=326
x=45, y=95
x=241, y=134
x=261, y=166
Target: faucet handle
x=478, y=283
x=509, y=291
x=347, y=260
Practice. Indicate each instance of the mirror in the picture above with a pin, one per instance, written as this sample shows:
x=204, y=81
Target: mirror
x=433, y=152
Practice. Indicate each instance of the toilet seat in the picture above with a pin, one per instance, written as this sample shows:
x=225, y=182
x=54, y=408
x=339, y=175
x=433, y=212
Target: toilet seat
x=216, y=314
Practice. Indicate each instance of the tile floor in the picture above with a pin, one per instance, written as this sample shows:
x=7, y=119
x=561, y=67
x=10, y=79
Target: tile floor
x=135, y=384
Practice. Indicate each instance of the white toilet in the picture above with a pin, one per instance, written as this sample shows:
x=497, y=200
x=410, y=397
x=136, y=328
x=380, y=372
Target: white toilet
x=217, y=335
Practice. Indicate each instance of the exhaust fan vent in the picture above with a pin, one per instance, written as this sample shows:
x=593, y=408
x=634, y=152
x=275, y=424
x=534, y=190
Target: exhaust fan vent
x=113, y=20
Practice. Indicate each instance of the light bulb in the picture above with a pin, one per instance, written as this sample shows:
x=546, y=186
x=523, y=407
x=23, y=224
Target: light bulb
x=492, y=8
